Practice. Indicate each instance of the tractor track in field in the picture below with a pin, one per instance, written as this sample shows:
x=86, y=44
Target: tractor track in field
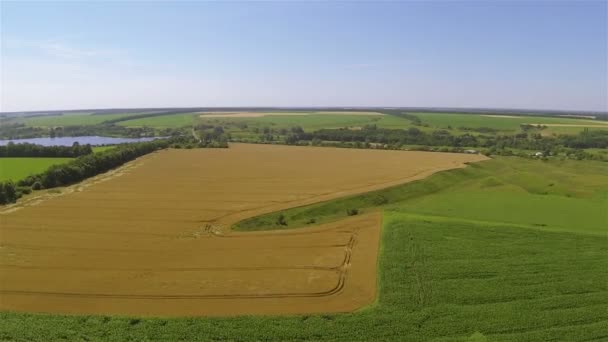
x=341, y=269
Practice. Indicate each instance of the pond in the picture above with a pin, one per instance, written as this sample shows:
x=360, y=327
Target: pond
x=68, y=141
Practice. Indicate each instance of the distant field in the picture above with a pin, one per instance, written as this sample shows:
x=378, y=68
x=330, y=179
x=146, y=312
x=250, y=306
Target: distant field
x=242, y=124
x=234, y=122
x=163, y=121
x=71, y=120
x=97, y=149
x=263, y=114
x=311, y=122
x=18, y=168
x=506, y=123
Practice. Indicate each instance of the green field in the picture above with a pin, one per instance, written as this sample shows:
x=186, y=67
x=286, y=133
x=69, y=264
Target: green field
x=457, y=123
x=18, y=168
x=251, y=128
x=97, y=149
x=71, y=120
x=163, y=121
x=506, y=123
x=286, y=120
x=508, y=249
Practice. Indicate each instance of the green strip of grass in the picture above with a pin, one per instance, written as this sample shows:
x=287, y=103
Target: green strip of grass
x=552, y=195
x=97, y=149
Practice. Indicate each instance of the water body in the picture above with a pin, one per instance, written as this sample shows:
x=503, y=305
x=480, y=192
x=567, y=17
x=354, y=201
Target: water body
x=68, y=141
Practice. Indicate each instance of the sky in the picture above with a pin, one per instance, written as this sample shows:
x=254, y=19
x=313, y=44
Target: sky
x=75, y=55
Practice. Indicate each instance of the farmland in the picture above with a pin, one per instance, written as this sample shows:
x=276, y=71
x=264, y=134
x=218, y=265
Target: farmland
x=70, y=120
x=273, y=126
x=140, y=214
x=475, y=272
x=308, y=121
x=505, y=123
x=163, y=121
x=17, y=168
x=97, y=149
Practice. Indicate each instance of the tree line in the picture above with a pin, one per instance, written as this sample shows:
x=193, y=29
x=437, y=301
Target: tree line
x=33, y=150
x=415, y=136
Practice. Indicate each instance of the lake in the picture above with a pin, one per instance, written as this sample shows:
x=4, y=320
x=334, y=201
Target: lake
x=68, y=141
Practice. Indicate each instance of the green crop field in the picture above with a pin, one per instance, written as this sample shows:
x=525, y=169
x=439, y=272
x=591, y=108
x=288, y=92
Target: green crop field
x=163, y=121
x=507, y=123
x=508, y=249
x=71, y=120
x=17, y=168
x=458, y=124
x=245, y=127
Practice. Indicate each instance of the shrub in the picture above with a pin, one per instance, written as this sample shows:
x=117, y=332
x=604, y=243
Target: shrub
x=36, y=186
x=352, y=212
x=23, y=190
x=281, y=220
x=379, y=200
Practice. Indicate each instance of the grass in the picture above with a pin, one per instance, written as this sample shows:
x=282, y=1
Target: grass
x=162, y=121
x=18, y=168
x=540, y=194
x=97, y=149
x=481, y=271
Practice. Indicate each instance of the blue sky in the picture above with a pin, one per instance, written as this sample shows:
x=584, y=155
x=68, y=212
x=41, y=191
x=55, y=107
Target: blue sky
x=70, y=55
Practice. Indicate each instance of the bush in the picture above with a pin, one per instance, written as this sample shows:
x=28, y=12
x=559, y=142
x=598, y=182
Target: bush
x=36, y=186
x=23, y=190
x=379, y=200
x=8, y=192
x=281, y=220
x=352, y=212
